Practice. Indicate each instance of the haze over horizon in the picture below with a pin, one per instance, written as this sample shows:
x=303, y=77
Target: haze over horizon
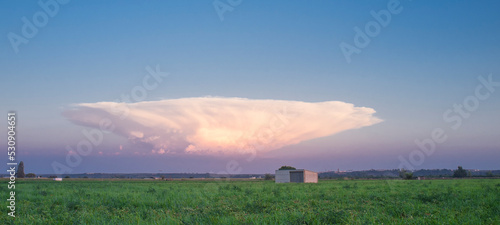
x=131, y=87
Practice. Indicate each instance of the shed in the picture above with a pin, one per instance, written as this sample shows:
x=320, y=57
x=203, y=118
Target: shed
x=296, y=176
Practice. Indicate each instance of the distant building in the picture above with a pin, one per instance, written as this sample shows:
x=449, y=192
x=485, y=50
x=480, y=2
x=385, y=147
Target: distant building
x=57, y=179
x=296, y=176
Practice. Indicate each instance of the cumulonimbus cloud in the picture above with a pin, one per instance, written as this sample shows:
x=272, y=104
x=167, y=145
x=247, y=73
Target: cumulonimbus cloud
x=210, y=125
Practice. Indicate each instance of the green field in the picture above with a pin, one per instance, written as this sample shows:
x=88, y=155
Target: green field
x=85, y=201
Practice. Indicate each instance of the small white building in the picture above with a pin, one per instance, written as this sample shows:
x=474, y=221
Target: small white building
x=57, y=179
x=296, y=176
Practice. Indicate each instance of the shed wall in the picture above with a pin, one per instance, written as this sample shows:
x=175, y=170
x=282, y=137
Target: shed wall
x=297, y=176
x=310, y=177
x=282, y=176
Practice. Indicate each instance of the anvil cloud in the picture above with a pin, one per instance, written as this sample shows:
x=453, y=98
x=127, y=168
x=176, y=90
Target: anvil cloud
x=216, y=125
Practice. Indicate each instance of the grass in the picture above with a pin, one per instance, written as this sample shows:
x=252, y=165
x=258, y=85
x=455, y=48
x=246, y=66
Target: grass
x=85, y=201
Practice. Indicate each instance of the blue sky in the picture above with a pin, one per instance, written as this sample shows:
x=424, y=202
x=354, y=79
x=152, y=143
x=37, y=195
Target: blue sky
x=426, y=59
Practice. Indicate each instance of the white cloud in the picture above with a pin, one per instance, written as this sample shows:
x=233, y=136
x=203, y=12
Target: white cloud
x=211, y=125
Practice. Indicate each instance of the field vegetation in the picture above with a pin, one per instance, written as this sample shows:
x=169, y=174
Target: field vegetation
x=120, y=201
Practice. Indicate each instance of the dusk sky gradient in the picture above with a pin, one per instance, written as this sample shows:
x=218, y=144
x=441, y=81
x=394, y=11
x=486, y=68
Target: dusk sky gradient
x=430, y=56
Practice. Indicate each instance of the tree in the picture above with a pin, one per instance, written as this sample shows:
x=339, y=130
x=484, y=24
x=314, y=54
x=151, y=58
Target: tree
x=405, y=174
x=489, y=174
x=30, y=175
x=52, y=176
x=268, y=177
x=20, y=170
x=460, y=172
x=67, y=176
x=287, y=168
x=408, y=176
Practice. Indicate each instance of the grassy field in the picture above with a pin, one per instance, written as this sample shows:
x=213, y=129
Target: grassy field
x=85, y=201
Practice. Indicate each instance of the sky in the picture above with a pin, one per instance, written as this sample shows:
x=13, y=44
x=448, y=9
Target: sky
x=249, y=86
